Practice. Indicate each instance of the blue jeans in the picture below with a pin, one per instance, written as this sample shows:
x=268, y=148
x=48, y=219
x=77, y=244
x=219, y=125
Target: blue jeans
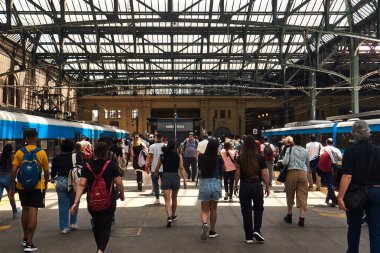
x=65, y=201
x=5, y=183
x=328, y=179
x=156, y=187
x=354, y=219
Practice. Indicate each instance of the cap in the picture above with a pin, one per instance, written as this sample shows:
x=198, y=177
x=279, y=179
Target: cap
x=137, y=136
x=151, y=136
x=191, y=133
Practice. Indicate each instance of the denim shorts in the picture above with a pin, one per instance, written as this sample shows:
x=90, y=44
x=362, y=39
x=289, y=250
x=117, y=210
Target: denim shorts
x=210, y=189
x=170, y=181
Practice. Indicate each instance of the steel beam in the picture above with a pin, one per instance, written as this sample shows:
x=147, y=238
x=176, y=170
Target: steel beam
x=9, y=11
x=355, y=78
x=313, y=95
x=378, y=18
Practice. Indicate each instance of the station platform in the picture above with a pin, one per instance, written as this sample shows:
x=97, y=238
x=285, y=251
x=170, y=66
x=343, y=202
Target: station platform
x=140, y=226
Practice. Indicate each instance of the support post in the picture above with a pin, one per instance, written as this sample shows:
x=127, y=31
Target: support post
x=355, y=78
x=313, y=95
x=286, y=96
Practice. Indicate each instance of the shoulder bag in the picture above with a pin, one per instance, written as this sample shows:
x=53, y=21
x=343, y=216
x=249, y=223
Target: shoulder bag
x=355, y=197
x=282, y=177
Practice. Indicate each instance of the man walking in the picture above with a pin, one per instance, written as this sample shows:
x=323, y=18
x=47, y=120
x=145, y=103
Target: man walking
x=313, y=148
x=189, y=152
x=269, y=153
x=155, y=150
x=33, y=177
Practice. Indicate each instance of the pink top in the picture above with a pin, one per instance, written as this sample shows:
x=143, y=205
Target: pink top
x=230, y=166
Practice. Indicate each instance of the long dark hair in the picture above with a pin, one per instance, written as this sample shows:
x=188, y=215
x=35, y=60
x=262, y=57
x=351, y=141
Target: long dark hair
x=6, y=156
x=248, y=157
x=207, y=161
x=169, y=148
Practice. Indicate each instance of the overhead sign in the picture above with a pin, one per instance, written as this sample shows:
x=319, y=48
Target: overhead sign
x=254, y=131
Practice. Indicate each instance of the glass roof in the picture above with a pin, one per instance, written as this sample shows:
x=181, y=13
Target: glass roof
x=200, y=40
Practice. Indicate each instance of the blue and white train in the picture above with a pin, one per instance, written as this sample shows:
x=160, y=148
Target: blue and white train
x=50, y=131
x=339, y=131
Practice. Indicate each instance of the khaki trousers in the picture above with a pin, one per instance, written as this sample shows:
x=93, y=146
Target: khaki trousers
x=296, y=184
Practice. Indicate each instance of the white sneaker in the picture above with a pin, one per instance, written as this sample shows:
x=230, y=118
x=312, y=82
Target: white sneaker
x=157, y=202
x=73, y=226
x=204, y=233
x=65, y=231
x=249, y=241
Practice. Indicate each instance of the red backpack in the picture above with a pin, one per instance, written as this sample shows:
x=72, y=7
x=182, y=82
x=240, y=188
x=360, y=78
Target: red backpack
x=99, y=198
x=325, y=162
x=268, y=152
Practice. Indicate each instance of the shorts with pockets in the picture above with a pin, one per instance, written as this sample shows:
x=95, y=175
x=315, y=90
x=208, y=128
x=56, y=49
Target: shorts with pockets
x=210, y=189
x=170, y=181
x=32, y=198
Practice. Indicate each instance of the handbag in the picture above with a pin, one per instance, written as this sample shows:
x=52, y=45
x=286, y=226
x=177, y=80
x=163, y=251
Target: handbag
x=282, y=177
x=355, y=197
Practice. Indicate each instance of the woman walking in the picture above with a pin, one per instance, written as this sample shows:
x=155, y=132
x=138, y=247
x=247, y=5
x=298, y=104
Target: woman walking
x=110, y=174
x=170, y=182
x=138, y=147
x=252, y=172
x=5, y=177
x=357, y=170
x=210, y=188
x=297, y=160
x=229, y=158
x=60, y=171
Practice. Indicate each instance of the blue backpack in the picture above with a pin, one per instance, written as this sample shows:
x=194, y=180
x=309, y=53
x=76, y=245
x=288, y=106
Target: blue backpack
x=29, y=173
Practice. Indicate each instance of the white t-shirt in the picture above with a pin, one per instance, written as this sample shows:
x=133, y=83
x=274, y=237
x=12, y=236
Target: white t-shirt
x=202, y=146
x=314, y=149
x=334, y=153
x=156, y=150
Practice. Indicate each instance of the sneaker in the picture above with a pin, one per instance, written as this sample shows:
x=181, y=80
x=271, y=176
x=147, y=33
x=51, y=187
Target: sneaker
x=230, y=197
x=212, y=234
x=17, y=214
x=204, y=233
x=29, y=247
x=301, y=222
x=174, y=217
x=258, y=237
x=288, y=218
x=157, y=202
x=65, y=231
x=23, y=242
x=74, y=226
x=170, y=221
x=249, y=241
x=226, y=196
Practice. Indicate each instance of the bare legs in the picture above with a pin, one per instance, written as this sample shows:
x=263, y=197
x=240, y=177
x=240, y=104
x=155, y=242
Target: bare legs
x=29, y=222
x=209, y=208
x=170, y=197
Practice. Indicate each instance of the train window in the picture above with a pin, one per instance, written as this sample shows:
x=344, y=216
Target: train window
x=43, y=144
x=343, y=140
x=375, y=136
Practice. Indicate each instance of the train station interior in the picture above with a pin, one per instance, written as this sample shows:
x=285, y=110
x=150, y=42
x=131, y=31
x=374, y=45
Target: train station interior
x=229, y=67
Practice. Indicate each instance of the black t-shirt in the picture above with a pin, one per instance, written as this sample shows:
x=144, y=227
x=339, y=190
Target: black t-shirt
x=170, y=162
x=356, y=160
x=62, y=164
x=262, y=165
x=96, y=165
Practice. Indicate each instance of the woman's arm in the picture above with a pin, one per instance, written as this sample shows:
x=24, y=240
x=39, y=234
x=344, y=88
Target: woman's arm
x=344, y=183
x=237, y=177
x=265, y=177
x=82, y=184
x=120, y=187
x=183, y=173
x=157, y=169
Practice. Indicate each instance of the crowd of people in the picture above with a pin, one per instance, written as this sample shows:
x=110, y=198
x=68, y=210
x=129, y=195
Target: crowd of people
x=245, y=166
